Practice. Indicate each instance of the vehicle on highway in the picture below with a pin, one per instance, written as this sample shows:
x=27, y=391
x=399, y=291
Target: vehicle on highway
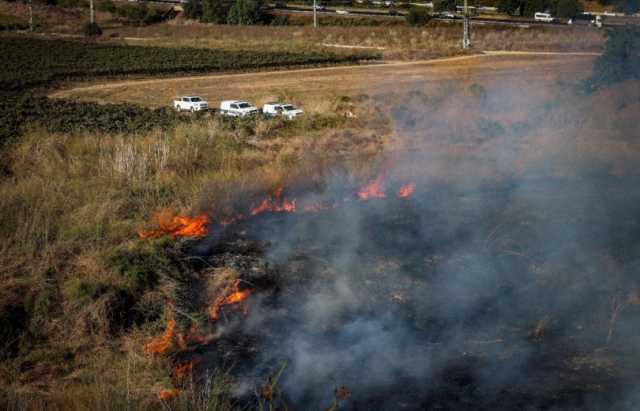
x=342, y=12
x=585, y=19
x=447, y=15
x=237, y=108
x=545, y=17
x=190, y=103
x=287, y=111
x=321, y=7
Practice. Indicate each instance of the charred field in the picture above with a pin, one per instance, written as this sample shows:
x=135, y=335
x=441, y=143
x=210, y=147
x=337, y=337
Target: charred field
x=453, y=298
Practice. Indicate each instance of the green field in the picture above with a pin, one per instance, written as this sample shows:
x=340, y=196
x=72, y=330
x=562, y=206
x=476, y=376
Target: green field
x=39, y=61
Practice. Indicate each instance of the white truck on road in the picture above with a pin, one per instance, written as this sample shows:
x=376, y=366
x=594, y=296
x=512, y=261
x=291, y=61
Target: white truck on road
x=286, y=111
x=236, y=108
x=190, y=103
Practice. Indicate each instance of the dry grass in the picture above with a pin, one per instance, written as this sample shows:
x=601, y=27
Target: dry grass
x=398, y=42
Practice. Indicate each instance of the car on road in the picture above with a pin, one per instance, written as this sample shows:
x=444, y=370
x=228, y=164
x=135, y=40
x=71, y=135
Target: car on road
x=237, y=108
x=342, y=12
x=190, y=103
x=287, y=111
x=544, y=17
x=447, y=15
x=321, y=7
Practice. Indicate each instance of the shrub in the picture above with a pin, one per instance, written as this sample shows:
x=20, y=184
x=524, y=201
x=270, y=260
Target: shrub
x=143, y=263
x=193, y=9
x=246, y=12
x=92, y=30
x=107, y=6
x=418, y=16
x=215, y=11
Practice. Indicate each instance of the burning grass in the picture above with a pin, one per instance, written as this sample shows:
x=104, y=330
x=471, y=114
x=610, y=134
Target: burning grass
x=70, y=203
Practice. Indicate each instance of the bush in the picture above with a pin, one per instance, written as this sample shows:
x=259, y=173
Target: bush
x=246, y=12
x=92, y=30
x=107, y=6
x=143, y=263
x=215, y=11
x=418, y=16
x=568, y=8
x=193, y=9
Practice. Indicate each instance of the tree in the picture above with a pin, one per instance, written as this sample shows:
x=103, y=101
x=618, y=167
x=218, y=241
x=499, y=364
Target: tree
x=418, y=16
x=246, y=12
x=215, y=11
x=511, y=6
x=444, y=5
x=568, y=8
x=193, y=9
x=621, y=58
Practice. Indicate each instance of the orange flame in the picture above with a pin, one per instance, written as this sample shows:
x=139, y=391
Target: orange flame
x=275, y=203
x=407, y=190
x=375, y=189
x=238, y=296
x=184, y=370
x=178, y=226
x=162, y=344
x=166, y=395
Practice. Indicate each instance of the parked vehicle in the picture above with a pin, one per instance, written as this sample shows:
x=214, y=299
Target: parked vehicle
x=236, y=108
x=545, y=17
x=286, y=111
x=190, y=103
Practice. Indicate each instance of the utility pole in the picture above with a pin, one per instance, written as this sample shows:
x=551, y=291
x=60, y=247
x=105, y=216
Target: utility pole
x=466, y=35
x=315, y=17
x=92, y=13
x=30, y=15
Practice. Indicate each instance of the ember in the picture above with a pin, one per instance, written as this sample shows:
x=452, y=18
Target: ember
x=178, y=226
x=275, y=203
x=407, y=190
x=238, y=296
x=375, y=189
x=162, y=344
x=166, y=395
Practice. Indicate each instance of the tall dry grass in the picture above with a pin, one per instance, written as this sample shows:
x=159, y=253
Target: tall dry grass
x=395, y=42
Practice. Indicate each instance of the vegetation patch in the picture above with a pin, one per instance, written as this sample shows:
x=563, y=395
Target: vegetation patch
x=40, y=61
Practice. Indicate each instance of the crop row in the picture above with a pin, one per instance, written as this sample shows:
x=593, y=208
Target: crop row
x=35, y=61
x=65, y=116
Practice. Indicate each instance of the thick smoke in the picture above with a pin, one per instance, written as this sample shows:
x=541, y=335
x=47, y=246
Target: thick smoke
x=490, y=288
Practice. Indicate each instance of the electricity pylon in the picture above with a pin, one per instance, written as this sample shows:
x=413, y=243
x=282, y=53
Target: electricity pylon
x=466, y=27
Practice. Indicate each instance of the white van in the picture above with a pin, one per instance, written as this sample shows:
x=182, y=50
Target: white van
x=546, y=17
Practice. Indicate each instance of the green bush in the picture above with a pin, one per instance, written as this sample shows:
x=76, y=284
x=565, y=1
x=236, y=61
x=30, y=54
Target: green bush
x=92, y=30
x=215, y=11
x=84, y=291
x=418, y=16
x=193, y=9
x=145, y=262
x=107, y=6
x=246, y=12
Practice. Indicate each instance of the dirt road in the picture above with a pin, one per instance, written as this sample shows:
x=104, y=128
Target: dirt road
x=312, y=86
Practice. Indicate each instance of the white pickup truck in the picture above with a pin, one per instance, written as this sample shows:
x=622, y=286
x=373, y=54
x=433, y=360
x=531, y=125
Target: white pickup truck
x=286, y=111
x=190, y=103
x=236, y=108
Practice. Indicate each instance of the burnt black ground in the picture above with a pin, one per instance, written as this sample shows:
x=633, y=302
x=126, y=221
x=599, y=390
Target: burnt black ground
x=435, y=302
